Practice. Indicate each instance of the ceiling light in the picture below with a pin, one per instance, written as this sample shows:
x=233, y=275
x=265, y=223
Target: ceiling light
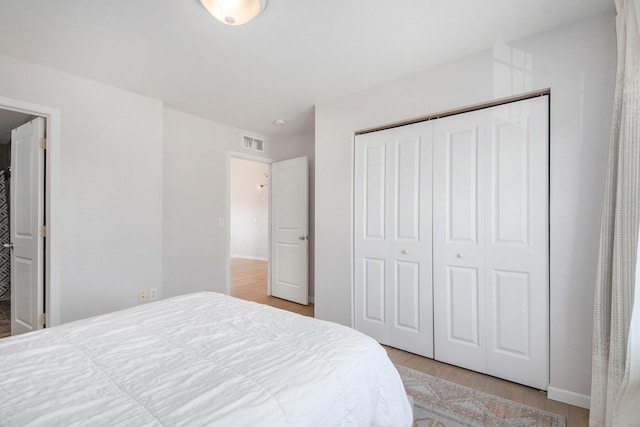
x=234, y=12
x=279, y=122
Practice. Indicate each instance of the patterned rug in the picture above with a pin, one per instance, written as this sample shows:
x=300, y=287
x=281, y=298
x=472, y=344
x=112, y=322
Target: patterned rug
x=439, y=403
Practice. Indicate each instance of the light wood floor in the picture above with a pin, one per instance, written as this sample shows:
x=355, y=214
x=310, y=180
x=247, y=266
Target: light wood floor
x=5, y=319
x=249, y=281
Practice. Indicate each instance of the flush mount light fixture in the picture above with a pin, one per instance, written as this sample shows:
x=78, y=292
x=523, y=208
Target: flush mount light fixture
x=279, y=122
x=234, y=12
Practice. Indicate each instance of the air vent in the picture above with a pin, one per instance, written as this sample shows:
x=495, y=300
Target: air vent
x=252, y=143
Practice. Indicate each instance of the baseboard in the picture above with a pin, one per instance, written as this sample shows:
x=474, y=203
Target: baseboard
x=256, y=258
x=570, y=397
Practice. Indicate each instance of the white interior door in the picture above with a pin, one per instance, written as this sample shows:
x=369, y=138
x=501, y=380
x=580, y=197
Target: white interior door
x=27, y=215
x=393, y=293
x=289, y=230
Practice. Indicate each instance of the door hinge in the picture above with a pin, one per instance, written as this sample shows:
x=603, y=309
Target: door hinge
x=43, y=143
x=43, y=319
x=43, y=231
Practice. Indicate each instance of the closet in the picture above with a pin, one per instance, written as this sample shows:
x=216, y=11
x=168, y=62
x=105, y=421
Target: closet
x=451, y=239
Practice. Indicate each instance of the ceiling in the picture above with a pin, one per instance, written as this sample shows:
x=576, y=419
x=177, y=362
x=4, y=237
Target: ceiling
x=296, y=54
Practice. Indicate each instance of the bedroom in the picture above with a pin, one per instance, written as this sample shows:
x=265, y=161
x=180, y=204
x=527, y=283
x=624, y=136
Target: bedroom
x=125, y=158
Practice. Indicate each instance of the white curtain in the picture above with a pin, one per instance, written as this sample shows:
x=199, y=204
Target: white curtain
x=615, y=379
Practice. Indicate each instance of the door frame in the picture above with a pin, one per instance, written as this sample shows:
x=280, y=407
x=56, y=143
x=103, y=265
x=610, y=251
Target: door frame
x=227, y=270
x=52, y=186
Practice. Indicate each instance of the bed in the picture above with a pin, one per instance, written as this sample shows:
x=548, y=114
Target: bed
x=199, y=359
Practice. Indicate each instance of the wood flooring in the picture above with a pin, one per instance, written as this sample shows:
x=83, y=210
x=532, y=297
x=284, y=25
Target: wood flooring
x=5, y=319
x=249, y=281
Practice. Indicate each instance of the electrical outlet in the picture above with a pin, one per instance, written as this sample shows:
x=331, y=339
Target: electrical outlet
x=142, y=297
x=153, y=294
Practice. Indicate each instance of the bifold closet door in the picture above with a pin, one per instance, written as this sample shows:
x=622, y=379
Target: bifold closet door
x=491, y=241
x=393, y=292
x=458, y=240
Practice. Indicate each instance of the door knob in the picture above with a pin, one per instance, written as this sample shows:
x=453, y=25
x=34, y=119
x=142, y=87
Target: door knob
x=302, y=237
x=404, y=251
x=459, y=255
x=7, y=245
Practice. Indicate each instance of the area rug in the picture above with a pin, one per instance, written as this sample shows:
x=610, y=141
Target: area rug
x=440, y=403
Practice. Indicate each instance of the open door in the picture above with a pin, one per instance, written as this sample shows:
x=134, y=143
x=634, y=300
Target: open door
x=27, y=215
x=289, y=230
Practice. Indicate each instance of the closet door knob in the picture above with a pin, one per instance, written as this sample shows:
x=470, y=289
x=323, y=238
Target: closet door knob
x=404, y=251
x=7, y=245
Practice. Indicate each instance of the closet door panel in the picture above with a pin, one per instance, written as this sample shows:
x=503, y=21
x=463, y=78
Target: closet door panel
x=517, y=250
x=374, y=290
x=512, y=306
x=463, y=302
x=458, y=232
x=461, y=167
x=371, y=264
x=393, y=294
x=375, y=161
x=510, y=183
x=408, y=190
x=407, y=297
x=411, y=256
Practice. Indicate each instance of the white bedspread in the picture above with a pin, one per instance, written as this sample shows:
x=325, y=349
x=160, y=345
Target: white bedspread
x=199, y=359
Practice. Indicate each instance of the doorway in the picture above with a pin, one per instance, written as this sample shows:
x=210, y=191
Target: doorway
x=41, y=301
x=249, y=228
x=257, y=186
x=22, y=184
x=9, y=120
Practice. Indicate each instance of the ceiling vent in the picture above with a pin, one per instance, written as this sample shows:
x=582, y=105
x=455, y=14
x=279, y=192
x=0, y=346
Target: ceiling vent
x=253, y=143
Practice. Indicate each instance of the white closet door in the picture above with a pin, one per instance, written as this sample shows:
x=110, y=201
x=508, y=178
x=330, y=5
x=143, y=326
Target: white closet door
x=491, y=241
x=393, y=293
x=458, y=240
x=371, y=267
x=517, y=242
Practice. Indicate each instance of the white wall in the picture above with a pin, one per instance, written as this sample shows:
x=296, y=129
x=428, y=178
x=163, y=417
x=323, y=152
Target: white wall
x=249, y=208
x=578, y=64
x=195, y=190
x=125, y=190
x=110, y=200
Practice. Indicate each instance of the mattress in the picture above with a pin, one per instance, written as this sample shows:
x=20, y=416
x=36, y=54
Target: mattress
x=199, y=359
